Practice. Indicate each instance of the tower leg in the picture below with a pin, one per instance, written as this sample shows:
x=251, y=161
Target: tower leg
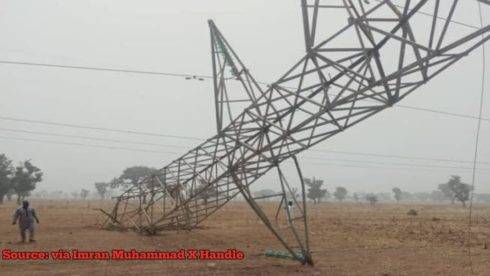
x=294, y=236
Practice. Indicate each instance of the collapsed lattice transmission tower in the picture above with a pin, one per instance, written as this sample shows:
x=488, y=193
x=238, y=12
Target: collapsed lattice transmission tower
x=361, y=58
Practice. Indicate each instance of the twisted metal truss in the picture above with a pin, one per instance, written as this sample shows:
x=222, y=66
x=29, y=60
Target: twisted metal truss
x=379, y=54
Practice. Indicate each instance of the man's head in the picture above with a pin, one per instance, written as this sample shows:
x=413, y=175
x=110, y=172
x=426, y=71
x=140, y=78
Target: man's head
x=25, y=204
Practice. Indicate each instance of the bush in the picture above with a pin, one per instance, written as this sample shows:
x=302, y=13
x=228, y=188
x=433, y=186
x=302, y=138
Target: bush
x=412, y=212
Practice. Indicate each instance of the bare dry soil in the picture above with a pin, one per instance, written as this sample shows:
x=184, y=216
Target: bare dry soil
x=346, y=239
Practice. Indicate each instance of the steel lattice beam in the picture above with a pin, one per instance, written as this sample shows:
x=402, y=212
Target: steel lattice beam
x=379, y=55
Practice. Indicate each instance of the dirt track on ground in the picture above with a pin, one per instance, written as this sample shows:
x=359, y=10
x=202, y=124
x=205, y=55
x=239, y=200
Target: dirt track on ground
x=347, y=239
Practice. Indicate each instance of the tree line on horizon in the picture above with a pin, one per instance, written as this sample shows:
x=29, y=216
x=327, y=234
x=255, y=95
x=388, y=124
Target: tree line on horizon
x=21, y=180
x=453, y=190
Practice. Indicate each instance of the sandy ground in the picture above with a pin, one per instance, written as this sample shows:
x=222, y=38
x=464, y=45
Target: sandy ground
x=347, y=239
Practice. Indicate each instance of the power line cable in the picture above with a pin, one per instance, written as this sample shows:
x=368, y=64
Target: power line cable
x=396, y=156
x=397, y=164
x=199, y=77
x=477, y=140
x=89, y=138
x=177, y=146
x=406, y=169
x=406, y=166
x=364, y=154
x=441, y=112
x=85, y=145
x=438, y=17
x=107, y=69
x=5, y=118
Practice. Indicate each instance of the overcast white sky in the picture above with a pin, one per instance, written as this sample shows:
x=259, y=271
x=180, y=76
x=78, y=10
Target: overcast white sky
x=173, y=36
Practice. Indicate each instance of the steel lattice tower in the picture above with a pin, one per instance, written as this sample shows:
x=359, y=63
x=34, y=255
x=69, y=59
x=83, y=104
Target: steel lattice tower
x=380, y=53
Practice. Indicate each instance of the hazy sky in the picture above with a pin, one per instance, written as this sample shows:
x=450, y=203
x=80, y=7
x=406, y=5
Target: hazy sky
x=173, y=36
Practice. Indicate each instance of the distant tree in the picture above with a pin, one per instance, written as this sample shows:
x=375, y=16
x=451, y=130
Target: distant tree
x=412, y=212
x=6, y=171
x=40, y=194
x=454, y=190
x=25, y=178
x=340, y=193
x=372, y=199
x=132, y=175
x=315, y=191
x=56, y=194
x=384, y=196
x=265, y=193
x=422, y=196
x=356, y=197
x=437, y=196
x=462, y=193
x=397, y=194
x=447, y=190
x=84, y=194
x=408, y=196
x=101, y=188
x=44, y=194
x=75, y=195
x=10, y=193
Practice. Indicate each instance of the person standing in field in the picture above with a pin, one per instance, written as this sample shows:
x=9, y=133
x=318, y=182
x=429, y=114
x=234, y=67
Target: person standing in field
x=289, y=212
x=25, y=216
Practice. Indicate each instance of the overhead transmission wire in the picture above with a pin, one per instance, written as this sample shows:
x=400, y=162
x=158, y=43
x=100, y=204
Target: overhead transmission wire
x=438, y=17
x=441, y=112
x=396, y=164
x=418, y=167
x=364, y=154
x=9, y=118
x=170, y=74
x=76, y=67
x=177, y=146
x=107, y=69
x=197, y=138
x=125, y=131
x=477, y=140
x=89, y=138
x=84, y=145
x=396, y=156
